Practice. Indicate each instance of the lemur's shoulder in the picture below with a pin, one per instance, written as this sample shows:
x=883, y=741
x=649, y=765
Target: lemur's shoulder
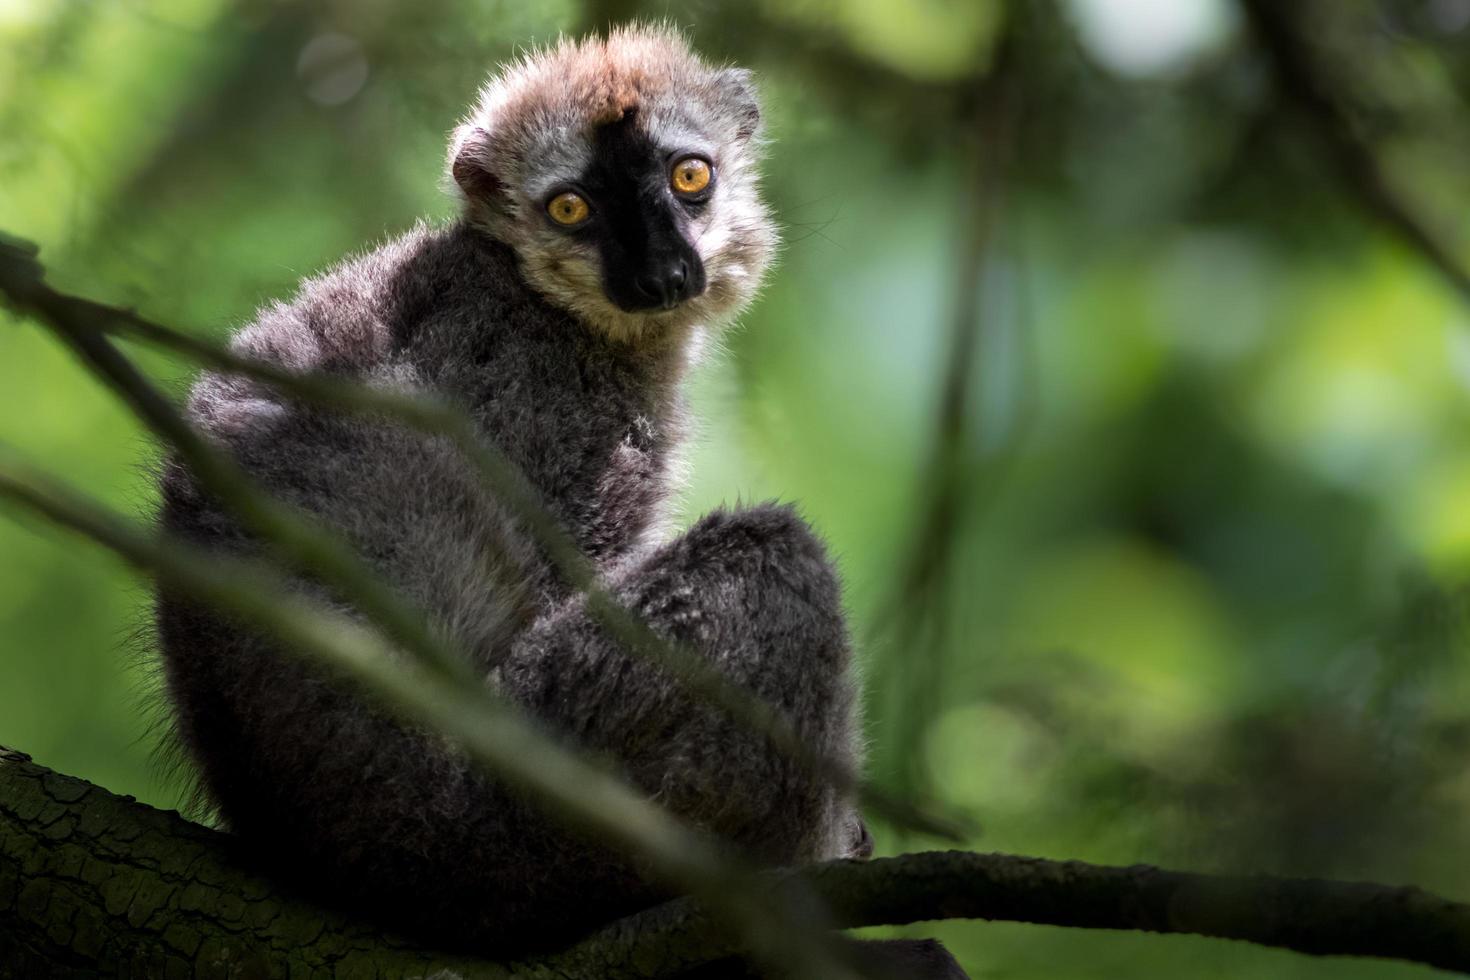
x=355, y=313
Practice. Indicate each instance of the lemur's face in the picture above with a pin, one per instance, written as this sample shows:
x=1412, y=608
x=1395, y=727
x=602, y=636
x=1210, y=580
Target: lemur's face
x=633, y=211
x=623, y=173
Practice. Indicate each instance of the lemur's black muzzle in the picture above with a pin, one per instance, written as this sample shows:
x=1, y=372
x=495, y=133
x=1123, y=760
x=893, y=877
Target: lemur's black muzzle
x=647, y=262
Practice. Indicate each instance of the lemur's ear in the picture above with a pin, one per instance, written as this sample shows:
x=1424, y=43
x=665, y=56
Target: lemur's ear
x=737, y=92
x=473, y=166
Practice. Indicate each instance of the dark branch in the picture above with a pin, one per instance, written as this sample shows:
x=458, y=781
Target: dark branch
x=1317, y=917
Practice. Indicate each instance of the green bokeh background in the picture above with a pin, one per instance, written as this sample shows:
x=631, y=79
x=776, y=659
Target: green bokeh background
x=1203, y=599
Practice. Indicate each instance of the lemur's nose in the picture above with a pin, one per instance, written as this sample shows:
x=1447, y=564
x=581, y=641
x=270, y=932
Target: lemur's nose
x=667, y=287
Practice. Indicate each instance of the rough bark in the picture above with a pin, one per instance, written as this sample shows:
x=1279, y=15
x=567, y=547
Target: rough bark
x=91, y=882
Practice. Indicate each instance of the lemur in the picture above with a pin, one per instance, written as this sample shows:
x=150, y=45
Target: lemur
x=610, y=224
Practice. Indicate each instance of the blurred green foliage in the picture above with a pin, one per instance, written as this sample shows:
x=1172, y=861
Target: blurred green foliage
x=1203, y=600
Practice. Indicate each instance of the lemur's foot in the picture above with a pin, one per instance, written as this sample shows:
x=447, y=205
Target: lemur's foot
x=860, y=844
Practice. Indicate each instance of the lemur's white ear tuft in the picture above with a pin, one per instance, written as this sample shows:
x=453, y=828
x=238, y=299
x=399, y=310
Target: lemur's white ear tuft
x=473, y=166
x=737, y=92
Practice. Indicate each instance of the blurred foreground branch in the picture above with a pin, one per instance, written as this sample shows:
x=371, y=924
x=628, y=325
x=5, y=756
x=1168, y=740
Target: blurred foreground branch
x=93, y=882
x=81, y=323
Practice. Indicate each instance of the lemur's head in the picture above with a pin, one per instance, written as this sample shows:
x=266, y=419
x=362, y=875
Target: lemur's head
x=622, y=170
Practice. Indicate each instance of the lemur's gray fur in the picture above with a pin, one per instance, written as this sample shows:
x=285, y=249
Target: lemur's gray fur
x=580, y=382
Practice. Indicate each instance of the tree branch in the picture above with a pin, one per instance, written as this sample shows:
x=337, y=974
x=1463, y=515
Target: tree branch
x=94, y=882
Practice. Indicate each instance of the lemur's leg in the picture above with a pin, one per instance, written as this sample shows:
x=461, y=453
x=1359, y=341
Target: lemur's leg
x=754, y=591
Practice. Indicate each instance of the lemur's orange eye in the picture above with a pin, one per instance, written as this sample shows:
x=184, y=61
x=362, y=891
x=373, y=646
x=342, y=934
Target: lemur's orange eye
x=568, y=208
x=690, y=176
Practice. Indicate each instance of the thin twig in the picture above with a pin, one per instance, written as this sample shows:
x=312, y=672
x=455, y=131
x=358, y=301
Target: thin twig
x=303, y=544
